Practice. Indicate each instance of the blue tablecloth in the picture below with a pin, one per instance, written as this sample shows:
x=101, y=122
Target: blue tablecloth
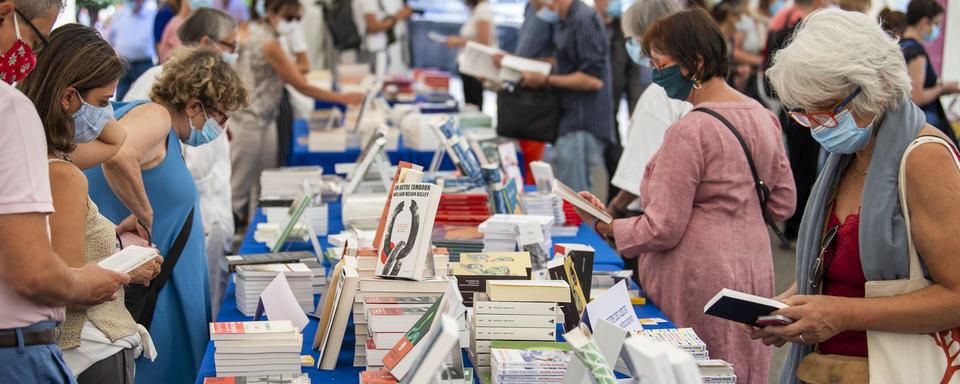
x=605, y=259
x=300, y=154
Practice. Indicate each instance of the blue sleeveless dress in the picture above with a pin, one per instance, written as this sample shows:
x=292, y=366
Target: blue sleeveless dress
x=179, y=327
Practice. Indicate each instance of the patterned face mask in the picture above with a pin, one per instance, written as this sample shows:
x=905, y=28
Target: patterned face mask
x=19, y=60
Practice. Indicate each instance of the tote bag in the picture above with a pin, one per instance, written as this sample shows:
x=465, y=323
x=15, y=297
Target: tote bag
x=911, y=358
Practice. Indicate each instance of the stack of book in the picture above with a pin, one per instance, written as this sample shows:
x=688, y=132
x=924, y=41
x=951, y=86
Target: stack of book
x=319, y=272
x=332, y=139
x=251, y=280
x=515, y=362
x=515, y=310
x=500, y=231
x=547, y=204
x=288, y=182
x=457, y=239
x=256, y=348
x=362, y=210
x=433, y=79
x=317, y=217
x=298, y=378
x=716, y=372
x=570, y=216
x=465, y=209
x=684, y=338
x=403, y=294
x=474, y=270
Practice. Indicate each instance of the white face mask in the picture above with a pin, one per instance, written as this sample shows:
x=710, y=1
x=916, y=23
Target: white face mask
x=285, y=27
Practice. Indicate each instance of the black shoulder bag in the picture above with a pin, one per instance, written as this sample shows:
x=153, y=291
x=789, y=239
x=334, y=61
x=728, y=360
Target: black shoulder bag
x=140, y=300
x=763, y=192
x=528, y=114
x=338, y=16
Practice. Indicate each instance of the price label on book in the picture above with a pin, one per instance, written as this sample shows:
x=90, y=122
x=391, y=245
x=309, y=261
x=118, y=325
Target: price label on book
x=529, y=233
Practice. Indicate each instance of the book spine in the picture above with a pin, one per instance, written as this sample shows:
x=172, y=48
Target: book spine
x=537, y=334
x=514, y=308
x=525, y=373
x=519, y=321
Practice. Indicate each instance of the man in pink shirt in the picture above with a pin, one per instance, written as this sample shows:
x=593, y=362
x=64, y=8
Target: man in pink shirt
x=35, y=284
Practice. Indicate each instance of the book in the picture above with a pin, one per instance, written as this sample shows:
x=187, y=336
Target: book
x=581, y=256
x=404, y=354
x=406, y=172
x=299, y=378
x=683, y=338
x=493, y=264
x=251, y=330
x=406, y=241
x=529, y=290
x=532, y=359
x=542, y=175
x=647, y=358
x=439, y=345
x=557, y=270
x=496, y=333
x=716, y=372
x=509, y=161
x=377, y=377
x=483, y=306
x=741, y=307
x=435, y=285
x=395, y=319
x=572, y=197
x=515, y=321
x=588, y=353
x=128, y=259
x=329, y=335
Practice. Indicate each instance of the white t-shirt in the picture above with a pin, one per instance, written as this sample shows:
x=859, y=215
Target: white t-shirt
x=654, y=113
x=373, y=42
x=482, y=12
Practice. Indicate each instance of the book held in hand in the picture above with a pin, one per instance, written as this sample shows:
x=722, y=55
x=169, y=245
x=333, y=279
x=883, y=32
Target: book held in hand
x=128, y=259
x=741, y=307
x=572, y=197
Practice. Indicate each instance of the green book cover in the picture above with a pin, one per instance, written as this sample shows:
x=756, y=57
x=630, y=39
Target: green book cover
x=531, y=345
x=412, y=337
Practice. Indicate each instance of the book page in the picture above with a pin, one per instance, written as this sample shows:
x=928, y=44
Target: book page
x=477, y=60
x=512, y=68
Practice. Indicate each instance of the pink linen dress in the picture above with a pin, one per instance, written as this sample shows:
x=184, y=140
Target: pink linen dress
x=703, y=229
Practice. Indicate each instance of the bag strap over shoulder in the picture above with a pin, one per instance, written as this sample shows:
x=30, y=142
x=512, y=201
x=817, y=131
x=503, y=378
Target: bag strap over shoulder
x=763, y=191
x=916, y=272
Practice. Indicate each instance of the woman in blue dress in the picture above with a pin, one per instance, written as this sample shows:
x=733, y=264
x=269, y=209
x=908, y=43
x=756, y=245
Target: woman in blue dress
x=148, y=189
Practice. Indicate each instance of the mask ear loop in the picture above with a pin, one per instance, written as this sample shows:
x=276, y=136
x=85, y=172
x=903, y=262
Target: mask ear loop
x=16, y=26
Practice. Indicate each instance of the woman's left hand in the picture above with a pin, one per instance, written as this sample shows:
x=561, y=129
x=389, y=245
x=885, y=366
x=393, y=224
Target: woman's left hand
x=816, y=318
x=602, y=228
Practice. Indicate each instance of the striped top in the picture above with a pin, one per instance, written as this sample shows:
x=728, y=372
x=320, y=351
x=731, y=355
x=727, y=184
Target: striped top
x=582, y=45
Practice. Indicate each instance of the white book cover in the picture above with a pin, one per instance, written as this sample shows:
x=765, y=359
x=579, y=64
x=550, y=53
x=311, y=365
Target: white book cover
x=648, y=360
x=445, y=340
x=340, y=314
x=519, y=321
x=477, y=60
x=533, y=334
x=406, y=242
x=514, y=308
x=512, y=67
x=571, y=196
x=248, y=330
x=128, y=259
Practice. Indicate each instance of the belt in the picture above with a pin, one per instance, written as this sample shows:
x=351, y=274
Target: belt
x=8, y=338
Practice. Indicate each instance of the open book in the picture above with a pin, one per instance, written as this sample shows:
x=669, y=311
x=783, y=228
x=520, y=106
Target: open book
x=564, y=192
x=477, y=60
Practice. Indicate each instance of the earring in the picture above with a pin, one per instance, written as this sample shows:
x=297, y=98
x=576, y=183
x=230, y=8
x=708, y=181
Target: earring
x=697, y=84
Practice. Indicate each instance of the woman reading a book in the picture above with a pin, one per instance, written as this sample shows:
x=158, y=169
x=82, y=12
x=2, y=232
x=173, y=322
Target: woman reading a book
x=76, y=76
x=703, y=228
x=860, y=237
x=147, y=188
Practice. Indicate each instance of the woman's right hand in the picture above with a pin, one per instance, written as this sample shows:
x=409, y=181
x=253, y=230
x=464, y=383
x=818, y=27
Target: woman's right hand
x=146, y=272
x=765, y=337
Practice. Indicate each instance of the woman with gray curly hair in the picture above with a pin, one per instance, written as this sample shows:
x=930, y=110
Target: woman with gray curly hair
x=147, y=188
x=858, y=273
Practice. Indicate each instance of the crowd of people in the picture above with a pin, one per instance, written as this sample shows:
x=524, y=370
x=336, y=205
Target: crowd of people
x=741, y=119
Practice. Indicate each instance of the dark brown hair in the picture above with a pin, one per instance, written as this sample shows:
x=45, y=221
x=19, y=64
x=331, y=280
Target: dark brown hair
x=689, y=37
x=76, y=56
x=274, y=6
x=894, y=22
x=921, y=9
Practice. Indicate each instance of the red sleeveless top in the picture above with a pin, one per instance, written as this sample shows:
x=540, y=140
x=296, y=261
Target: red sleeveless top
x=844, y=277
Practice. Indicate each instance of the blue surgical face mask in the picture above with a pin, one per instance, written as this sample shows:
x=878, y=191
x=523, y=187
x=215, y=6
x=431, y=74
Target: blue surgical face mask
x=548, y=15
x=196, y=4
x=934, y=34
x=230, y=58
x=261, y=7
x=90, y=120
x=673, y=82
x=210, y=131
x=776, y=6
x=846, y=137
x=635, y=51
x=615, y=8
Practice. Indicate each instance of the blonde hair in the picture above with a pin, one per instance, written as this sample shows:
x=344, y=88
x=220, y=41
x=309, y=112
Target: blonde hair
x=201, y=73
x=832, y=53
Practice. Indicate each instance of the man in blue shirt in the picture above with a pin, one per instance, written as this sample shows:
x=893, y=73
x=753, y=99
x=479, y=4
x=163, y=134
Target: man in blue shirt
x=131, y=34
x=581, y=76
x=535, y=38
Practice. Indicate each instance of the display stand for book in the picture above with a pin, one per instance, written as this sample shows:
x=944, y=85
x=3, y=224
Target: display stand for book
x=373, y=152
x=299, y=207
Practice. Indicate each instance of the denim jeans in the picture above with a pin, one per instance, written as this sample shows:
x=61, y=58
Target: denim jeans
x=575, y=156
x=36, y=363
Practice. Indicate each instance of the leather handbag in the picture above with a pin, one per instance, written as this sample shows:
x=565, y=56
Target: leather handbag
x=818, y=368
x=528, y=114
x=141, y=300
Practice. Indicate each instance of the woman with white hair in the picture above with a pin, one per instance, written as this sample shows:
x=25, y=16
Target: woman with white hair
x=844, y=78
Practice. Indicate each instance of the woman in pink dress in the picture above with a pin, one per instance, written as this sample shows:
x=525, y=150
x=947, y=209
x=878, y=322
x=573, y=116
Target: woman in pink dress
x=703, y=229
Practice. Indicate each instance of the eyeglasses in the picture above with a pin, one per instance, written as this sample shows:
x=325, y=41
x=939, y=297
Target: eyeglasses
x=34, y=29
x=231, y=46
x=291, y=18
x=823, y=119
x=819, y=267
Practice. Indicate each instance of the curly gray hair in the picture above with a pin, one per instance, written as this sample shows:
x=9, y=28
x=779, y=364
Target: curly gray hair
x=832, y=53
